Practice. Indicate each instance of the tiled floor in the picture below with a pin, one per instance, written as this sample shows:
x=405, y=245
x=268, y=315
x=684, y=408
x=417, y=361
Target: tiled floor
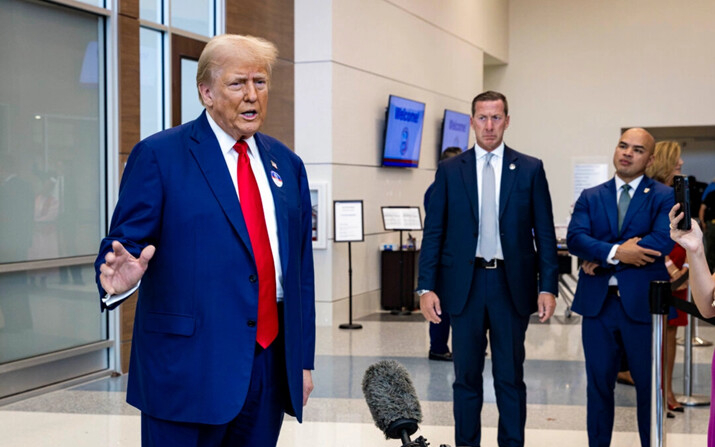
x=95, y=414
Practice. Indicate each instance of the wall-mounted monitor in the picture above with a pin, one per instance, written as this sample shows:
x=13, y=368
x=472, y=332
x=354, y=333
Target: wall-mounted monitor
x=455, y=130
x=403, y=132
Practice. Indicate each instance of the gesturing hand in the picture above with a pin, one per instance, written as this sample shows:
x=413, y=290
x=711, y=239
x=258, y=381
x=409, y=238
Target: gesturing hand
x=630, y=252
x=121, y=271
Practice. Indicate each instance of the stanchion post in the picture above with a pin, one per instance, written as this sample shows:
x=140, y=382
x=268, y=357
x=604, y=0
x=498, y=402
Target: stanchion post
x=688, y=399
x=659, y=302
x=350, y=325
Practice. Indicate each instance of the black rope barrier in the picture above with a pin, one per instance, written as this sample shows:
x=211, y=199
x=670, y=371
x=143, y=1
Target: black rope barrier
x=689, y=308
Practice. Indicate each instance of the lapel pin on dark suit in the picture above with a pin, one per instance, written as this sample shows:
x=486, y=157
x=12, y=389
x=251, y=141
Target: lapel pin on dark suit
x=273, y=163
x=512, y=167
x=645, y=191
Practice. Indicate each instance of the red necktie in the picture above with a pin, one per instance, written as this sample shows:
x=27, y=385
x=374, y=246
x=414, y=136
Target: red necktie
x=252, y=208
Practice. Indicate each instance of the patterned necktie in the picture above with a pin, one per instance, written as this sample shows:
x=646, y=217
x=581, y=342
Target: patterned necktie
x=252, y=208
x=623, y=201
x=488, y=230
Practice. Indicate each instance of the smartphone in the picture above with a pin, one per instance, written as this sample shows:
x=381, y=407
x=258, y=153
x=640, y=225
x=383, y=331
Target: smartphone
x=682, y=196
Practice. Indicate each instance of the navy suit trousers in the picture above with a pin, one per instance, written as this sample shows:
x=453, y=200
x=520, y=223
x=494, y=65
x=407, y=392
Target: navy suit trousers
x=606, y=338
x=489, y=308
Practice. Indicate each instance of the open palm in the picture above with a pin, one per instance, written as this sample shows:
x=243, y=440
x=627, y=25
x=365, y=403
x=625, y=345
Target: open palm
x=121, y=271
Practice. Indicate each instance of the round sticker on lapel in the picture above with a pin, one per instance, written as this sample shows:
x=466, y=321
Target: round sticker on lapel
x=277, y=179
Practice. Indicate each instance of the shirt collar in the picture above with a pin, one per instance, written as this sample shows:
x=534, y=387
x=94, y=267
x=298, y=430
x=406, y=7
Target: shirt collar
x=498, y=152
x=633, y=183
x=226, y=141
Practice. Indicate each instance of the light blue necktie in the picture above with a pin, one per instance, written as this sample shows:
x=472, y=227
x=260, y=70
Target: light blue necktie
x=488, y=218
x=623, y=201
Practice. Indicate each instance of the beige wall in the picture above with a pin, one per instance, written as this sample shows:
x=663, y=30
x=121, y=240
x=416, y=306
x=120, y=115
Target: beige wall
x=580, y=71
x=350, y=56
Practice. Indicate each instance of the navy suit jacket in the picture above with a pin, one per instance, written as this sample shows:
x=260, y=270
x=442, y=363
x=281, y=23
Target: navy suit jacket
x=593, y=230
x=526, y=228
x=194, y=332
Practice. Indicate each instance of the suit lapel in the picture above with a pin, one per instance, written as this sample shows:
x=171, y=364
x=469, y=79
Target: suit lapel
x=275, y=171
x=207, y=153
x=508, y=176
x=640, y=197
x=607, y=195
x=468, y=168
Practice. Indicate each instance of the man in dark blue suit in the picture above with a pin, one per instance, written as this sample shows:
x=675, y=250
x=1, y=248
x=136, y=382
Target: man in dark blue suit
x=620, y=230
x=489, y=259
x=213, y=225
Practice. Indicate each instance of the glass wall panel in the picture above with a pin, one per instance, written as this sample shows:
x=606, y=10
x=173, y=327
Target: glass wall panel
x=151, y=10
x=51, y=178
x=152, y=81
x=191, y=107
x=196, y=16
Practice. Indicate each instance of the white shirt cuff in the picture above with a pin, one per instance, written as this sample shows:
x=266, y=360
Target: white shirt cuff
x=110, y=300
x=612, y=253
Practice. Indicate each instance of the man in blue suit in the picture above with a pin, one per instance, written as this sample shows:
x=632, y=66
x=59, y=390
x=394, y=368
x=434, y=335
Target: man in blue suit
x=620, y=231
x=213, y=224
x=489, y=259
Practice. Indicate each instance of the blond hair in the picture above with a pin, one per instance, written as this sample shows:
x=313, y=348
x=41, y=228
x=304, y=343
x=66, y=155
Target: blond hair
x=665, y=158
x=252, y=50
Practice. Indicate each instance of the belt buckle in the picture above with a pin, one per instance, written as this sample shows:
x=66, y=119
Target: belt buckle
x=491, y=265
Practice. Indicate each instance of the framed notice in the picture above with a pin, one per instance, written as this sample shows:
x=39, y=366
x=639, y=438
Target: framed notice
x=318, y=198
x=401, y=218
x=348, y=221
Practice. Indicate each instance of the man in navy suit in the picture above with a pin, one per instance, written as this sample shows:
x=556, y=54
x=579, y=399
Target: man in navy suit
x=489, y=259
x=620, y=230
x=213, y=223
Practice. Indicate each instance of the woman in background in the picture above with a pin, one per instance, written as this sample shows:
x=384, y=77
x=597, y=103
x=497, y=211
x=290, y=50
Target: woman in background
x=665, y=166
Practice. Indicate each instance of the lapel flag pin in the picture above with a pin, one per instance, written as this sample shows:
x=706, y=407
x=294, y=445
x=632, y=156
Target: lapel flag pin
x=277, y=179
x=273, y=163
x=512, y=167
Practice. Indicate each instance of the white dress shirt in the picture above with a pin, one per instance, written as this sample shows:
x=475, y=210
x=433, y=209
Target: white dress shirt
x=226, y=143
x=619, y=183
x=496, y=162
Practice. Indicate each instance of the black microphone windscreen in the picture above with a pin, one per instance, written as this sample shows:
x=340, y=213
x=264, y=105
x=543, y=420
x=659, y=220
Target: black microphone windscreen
x=391, y=396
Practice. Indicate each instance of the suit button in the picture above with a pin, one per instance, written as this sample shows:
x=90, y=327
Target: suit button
x=253, y=278
x=251, y=323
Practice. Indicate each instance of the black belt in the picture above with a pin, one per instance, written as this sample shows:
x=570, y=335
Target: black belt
x=494, y=263
x=613, y=290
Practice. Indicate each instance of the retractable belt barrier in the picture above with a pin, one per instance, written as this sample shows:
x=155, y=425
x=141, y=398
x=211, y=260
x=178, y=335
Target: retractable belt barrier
x=661, y=299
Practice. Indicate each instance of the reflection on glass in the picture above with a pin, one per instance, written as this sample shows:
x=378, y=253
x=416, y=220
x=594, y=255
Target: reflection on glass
x=191, y=107
x=51, y=127
x=48, y=310
x=151, y=81
x=196, y=16
x=150, y=10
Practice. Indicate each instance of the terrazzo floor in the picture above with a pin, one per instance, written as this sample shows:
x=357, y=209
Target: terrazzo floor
x=95, y=414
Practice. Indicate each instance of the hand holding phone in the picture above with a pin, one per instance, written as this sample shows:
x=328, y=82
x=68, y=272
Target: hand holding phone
x=682, y=197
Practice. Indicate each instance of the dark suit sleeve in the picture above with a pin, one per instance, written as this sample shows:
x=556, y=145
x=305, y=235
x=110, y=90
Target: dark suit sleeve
x=307, y=277
x=544, y=234
x=432, y=235
x=580, y=238
x=137, y=215
x=659, y=238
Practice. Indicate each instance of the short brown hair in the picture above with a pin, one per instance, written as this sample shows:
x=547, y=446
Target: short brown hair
x=253, y=49
x=490, y=95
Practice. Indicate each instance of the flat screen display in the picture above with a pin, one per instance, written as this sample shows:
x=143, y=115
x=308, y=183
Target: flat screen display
x=455, y=130
x=403, y=132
